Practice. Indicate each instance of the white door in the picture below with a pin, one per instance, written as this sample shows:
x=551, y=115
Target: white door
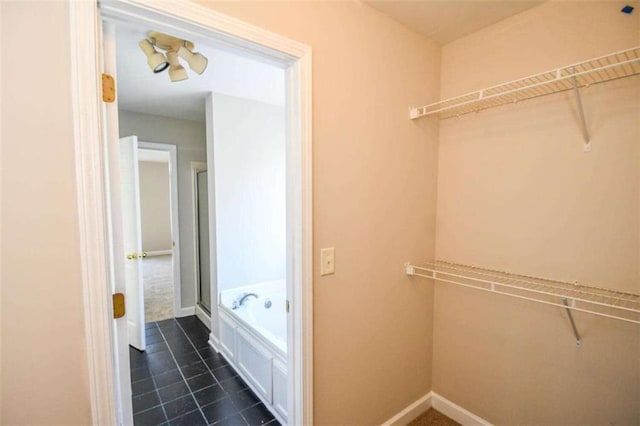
x=132, y=240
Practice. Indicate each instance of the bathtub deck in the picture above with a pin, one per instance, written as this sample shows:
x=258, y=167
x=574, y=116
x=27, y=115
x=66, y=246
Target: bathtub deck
x=179, y=379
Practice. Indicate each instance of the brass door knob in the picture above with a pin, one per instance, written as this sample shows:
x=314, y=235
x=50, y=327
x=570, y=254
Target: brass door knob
x=132, y=256
x=144, y=254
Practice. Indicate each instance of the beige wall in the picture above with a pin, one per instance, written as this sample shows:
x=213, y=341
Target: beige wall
x=374, y=193
x=155, y=205
x=190, y=139
x=516, y=192
x=44, y=368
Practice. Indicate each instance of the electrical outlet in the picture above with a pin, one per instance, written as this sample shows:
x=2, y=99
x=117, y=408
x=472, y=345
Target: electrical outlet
x=327, y=261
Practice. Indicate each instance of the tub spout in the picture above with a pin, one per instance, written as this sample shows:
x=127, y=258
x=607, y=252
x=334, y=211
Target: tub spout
x=241, y=299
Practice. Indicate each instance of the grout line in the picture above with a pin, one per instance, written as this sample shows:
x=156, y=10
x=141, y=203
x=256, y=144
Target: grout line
x=171, y=400
x=180, y=397
x=200, y=355
x=239, y=412
x=153, y=376
x=166, y=386
x=180, y=371
x=184, y=379
x=155, y=386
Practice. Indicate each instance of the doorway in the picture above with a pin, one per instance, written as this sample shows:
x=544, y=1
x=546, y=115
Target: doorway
x=157, y=242
x=160, y=226
x=238, y=228
x=295, y=58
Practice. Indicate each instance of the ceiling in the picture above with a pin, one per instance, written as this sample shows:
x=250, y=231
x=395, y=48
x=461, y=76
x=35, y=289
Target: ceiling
x=447, y=20
x=140, y=90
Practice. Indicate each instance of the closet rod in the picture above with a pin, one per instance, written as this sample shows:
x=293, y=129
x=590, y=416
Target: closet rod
x=602, y=302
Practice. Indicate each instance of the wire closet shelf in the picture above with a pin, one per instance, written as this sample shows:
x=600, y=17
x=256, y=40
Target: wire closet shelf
x=613, y=66
x=593, y=300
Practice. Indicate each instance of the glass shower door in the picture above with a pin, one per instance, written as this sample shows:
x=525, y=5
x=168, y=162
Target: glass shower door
x=204, y=275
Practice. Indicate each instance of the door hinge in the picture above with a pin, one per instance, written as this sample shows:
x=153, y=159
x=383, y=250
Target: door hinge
x=287, y=306
x=108, y=88
x=118, y=305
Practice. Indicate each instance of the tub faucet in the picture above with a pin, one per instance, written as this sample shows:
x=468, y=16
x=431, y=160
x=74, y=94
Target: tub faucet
x=241, y=299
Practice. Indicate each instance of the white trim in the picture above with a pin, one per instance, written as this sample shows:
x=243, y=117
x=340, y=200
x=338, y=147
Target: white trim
x=439, y=403
x=183, y=16
x=214, y=342
x=216, y=327
x=412, y=411
x=175, y=217
x=188, y=17
x=153, y=253
x=186, y=312
x=85, y=73
x=456, y=412
x=303, y=367
x=1, y=275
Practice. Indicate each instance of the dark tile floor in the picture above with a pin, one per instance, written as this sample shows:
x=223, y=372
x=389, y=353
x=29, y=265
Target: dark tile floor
x=180, y=380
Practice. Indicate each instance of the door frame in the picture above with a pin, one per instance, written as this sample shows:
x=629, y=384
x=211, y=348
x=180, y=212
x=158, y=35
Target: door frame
x=89, y=141
x=175, y=217
x=195, y=168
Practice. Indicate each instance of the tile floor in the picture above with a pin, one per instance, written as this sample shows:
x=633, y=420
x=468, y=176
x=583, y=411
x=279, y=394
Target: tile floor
x=180, y=380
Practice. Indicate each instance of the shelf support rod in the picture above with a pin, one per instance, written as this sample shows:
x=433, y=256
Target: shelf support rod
x=583, y=122
x=573, y=324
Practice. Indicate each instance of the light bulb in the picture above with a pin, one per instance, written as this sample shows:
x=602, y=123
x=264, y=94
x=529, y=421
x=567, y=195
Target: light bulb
x=156, y=61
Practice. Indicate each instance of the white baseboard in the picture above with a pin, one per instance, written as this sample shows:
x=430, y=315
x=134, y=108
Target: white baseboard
x=440, y=403
x=214, y=342
x=410, y=412
x=186, y=312
x=456, y=412
x=159, y=252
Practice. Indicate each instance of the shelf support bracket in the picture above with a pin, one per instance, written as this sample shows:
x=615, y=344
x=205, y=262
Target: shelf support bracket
x=409, y=269
x=573, y=324
x=583, y=122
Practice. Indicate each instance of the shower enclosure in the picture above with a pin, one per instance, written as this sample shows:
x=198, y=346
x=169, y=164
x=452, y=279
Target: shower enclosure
x=203, y=293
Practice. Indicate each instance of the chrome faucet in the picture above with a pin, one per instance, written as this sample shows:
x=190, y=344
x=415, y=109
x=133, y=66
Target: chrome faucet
x=241, y=299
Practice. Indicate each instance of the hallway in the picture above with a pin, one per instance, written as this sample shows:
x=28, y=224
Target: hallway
x=180, y=380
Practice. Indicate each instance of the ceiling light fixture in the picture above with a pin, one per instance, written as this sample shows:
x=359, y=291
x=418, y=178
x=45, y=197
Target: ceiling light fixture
x=176, y=71
x=156, y=60
x=175, y=48
x=196, y=61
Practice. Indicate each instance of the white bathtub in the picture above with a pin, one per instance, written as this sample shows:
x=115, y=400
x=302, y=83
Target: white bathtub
x=269, y=320
x=253, y=338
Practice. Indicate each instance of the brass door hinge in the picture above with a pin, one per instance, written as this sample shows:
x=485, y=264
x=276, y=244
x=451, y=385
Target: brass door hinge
x=118, y=305
x=108, y=88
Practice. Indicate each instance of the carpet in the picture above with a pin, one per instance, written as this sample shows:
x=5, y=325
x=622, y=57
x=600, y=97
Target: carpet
x=433, y=418
x=157, y=277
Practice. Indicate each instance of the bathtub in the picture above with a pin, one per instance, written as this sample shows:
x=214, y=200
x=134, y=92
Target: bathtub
x=253, y=338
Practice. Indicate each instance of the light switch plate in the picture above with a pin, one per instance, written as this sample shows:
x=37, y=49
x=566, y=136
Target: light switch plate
x=327, y=261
